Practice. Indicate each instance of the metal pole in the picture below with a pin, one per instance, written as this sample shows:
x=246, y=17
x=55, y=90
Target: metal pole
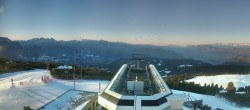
x=74, y=71
x=74, y=85
x=99, y=88
x=74, y=66
x=81, y=71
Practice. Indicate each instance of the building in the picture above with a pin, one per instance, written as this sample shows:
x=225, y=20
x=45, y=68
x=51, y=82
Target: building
x=138, y=86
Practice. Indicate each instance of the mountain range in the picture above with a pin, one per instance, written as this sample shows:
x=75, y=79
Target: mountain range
x=85, y=51
x=215, y=53
x=100, y=51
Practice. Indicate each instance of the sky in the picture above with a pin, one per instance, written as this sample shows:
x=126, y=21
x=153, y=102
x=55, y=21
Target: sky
x=157, y=22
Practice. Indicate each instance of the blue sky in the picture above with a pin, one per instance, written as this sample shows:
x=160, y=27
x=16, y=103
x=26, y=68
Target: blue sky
x=158, y=22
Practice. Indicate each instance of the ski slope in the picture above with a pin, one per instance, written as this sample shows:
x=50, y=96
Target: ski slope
x=34, y=92
x=238, y=80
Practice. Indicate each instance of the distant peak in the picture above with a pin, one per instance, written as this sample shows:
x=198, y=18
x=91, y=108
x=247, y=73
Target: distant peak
x=41, y=39
x=5, y=39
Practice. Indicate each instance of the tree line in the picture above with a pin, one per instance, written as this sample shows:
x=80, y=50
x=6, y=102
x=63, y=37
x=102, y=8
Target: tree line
x=240, y=99
x=81, y=73
x=207, y=89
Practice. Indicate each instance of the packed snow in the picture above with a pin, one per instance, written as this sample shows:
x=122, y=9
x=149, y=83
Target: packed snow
x=34, y=92
x=238, y=80
x=72, y=99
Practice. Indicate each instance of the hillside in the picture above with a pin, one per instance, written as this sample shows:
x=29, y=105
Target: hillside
x=212, y=53
x=214, y=70
x=8, y=65
x=8, y=48
x=212, y=101
x=81, y=73
x=238, y=80
x=239, y=60
x=165, y=66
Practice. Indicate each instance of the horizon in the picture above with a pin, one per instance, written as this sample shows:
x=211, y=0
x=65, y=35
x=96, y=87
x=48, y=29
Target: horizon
x=134, y=22
x=176, y=44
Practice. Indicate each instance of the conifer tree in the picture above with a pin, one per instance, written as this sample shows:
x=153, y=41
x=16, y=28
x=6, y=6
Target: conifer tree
x=205, y=85
x=230, y=88
x=216, y=86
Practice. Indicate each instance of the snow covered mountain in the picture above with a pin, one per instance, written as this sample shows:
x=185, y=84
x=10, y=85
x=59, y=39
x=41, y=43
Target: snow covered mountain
x=86, y=51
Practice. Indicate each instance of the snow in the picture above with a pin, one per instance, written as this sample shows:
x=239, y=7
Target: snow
x=213, y=101
x=34, y=92
x=238, y=80
x=167, y=72
x=185, y=108
x=182, y=66
x=64, y=67
x=73, y=99
x=81, y=106
x=62, y=102
x=164, y=76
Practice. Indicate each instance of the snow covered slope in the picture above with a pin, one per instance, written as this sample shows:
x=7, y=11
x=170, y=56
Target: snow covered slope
x=238, y=80
x=34, y=92
x=213, y=101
